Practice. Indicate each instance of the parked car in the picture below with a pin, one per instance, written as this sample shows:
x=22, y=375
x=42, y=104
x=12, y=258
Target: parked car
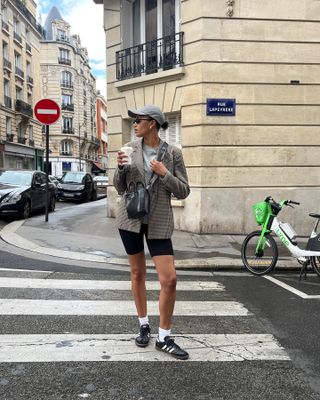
x=23, y=192
x=78, y=186
x=102, y=181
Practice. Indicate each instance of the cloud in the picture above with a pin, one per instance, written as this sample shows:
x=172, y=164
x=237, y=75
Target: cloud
x=86, y=20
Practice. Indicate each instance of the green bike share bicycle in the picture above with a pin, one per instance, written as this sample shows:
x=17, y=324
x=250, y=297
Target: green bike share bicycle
x=259, y=251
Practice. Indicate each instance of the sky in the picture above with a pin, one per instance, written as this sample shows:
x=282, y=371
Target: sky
x=86, y=20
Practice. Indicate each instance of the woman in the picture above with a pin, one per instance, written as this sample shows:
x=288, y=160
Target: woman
x=157, y=226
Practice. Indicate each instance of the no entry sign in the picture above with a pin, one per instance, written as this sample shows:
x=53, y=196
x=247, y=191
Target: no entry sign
x=47, y=111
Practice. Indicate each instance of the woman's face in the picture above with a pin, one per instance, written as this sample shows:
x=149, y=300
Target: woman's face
x=142, y=125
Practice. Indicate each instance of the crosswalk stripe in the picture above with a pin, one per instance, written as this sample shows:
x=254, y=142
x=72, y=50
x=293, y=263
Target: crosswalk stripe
x=29, y=283
x=80, y=348
x=100, y=307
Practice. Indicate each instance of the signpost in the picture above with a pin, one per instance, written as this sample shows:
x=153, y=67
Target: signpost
x=47, y=112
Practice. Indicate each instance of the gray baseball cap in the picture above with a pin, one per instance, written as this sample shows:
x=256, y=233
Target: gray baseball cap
x=151, y=111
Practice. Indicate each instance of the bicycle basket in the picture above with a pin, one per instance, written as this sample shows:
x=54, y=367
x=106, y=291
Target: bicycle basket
x=260, y=212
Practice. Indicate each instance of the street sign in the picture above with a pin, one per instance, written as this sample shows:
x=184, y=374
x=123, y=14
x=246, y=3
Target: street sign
x=47, y=111
x=221, y=107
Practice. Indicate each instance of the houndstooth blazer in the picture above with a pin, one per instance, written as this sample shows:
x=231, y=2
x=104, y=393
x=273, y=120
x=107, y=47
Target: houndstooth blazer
x=160, y=218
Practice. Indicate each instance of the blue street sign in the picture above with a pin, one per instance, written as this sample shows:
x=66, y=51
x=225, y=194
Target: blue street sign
x=221, y=107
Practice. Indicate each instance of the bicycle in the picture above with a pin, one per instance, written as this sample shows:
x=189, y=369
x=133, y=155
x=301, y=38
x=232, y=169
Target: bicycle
x=259, y=250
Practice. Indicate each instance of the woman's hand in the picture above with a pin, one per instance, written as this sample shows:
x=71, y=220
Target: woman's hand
x=122, y=159
x=158, y=168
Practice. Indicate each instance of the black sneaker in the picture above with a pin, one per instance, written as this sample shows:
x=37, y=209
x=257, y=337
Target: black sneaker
x=144, y=336
x=170, y=347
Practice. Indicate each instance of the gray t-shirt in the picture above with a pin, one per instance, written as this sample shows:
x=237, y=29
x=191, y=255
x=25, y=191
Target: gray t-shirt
x=149, y=154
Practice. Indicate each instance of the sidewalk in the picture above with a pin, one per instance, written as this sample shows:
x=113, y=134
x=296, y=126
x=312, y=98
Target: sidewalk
x=83, y=232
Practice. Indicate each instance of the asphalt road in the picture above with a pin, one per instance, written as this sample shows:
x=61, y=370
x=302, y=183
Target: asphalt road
x=236, y=371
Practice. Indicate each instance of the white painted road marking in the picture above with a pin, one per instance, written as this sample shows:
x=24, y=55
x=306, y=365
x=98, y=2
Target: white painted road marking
x=101, y=285
x=100, y=307
x=80, y=348
x=291, y=289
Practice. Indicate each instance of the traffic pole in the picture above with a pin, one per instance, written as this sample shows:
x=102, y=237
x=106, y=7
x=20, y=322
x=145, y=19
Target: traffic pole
x=47, y=172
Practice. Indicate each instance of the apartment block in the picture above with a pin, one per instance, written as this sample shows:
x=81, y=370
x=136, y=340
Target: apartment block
x=238, y=81
x=67, y=79
x=21, y=142
x=102, y=165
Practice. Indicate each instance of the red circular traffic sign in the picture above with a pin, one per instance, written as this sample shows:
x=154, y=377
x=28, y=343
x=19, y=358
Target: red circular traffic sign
x=47, y=111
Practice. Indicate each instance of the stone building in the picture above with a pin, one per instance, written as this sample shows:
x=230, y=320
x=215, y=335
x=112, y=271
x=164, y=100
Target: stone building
x=239, y=81
x=102, y=165
x=21, y=145
x=66, y=78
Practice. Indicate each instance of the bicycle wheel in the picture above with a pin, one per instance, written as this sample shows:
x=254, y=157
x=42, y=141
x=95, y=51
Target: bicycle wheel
x=265, y=260
x=315, y=262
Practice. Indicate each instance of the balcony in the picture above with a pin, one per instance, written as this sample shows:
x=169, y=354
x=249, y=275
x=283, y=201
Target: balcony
x=7, y=101
x=66, y=84
x=24, y=108
x=150, y=57
x=67, y=107
x=65, y=153
x=5, y=26
x=62, y=38
x=31, y=142
x=68, y=130
x=22, y=140
x=95, y=140
x=17, y=38
x=63, y=60
x=28, y=48
x=7, y=64
x=29, y=80
x=10, y=137
x=19, y=73
x=27, y=14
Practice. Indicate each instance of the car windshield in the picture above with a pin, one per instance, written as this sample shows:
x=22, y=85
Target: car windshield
x=16, y=178
x=72, y=177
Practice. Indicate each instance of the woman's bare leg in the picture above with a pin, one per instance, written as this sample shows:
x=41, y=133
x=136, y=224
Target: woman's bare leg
x=138, y=282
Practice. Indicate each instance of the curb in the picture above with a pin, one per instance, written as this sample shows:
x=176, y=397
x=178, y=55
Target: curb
x=9, y=235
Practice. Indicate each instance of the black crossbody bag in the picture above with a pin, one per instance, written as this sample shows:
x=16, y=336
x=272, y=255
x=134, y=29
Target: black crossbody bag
x=137, y=197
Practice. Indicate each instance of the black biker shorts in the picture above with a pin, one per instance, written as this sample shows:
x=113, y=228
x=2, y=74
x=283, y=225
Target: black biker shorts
x=133, y=243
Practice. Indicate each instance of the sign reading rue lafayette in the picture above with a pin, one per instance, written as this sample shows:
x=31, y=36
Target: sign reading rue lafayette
x=221, y=107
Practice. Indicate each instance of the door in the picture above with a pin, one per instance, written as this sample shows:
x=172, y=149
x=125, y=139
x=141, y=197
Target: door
x=38, y=191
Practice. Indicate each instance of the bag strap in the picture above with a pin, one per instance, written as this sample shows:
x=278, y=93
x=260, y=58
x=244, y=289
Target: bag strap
x=160, y=157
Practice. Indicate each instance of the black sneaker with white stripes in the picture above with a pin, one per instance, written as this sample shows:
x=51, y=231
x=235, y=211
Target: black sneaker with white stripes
x=144, y=336
x=170, y=347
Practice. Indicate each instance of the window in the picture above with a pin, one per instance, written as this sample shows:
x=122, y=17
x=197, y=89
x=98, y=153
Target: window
x=66, y=147
x=17, y=60
x=30, y=131
x=5, y=51
x=67, y=125
x=16, y=26
x=19, y=93
x=29, y=69
x=6, y=87
x=172, y=135
x=4, y=11
x=29, y=99
x=66, y=99
x=61, y=35
x=8, y=126
x=28, y=37
x=64, y=53
x=66, y=78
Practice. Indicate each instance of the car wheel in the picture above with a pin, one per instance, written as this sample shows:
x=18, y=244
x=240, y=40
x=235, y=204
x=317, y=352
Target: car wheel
x=94, y=195
x=52, y=205
x=26, y=210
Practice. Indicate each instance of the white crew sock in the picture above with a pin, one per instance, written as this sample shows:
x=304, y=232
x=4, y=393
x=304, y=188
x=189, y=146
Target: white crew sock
x=163, y=333
x=144, y=320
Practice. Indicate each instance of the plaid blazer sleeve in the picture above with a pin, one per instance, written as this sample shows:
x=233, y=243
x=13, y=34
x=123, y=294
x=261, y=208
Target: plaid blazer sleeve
x=119, y=180
x=177, y=182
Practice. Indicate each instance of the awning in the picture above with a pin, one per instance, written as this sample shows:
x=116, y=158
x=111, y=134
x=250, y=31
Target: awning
x=97, y=167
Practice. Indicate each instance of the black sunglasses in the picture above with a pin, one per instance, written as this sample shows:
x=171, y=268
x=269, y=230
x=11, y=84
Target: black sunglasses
x=137, y=120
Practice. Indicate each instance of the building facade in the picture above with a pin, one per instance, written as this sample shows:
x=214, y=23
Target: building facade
x=102, y=166
x=21, y=142
x=239, y=81
x=66, y=78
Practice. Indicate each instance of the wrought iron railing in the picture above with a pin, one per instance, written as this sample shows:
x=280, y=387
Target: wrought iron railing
x=19, y=72
x=7, y=64
x=67, y=107
x=5, y=26
x=63, y=60
x=29, y=80
x=68, y=130
x=28, y=47
x=24, y=108
x=31, y=142
x=10, y=137
x=150, y=57
x=17, y=37
x=7, y=101
x=21, y=140
x=66, y=84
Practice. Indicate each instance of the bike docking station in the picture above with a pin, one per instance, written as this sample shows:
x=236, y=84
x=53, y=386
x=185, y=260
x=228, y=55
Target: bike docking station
x=259, y=251
x=47, y=112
